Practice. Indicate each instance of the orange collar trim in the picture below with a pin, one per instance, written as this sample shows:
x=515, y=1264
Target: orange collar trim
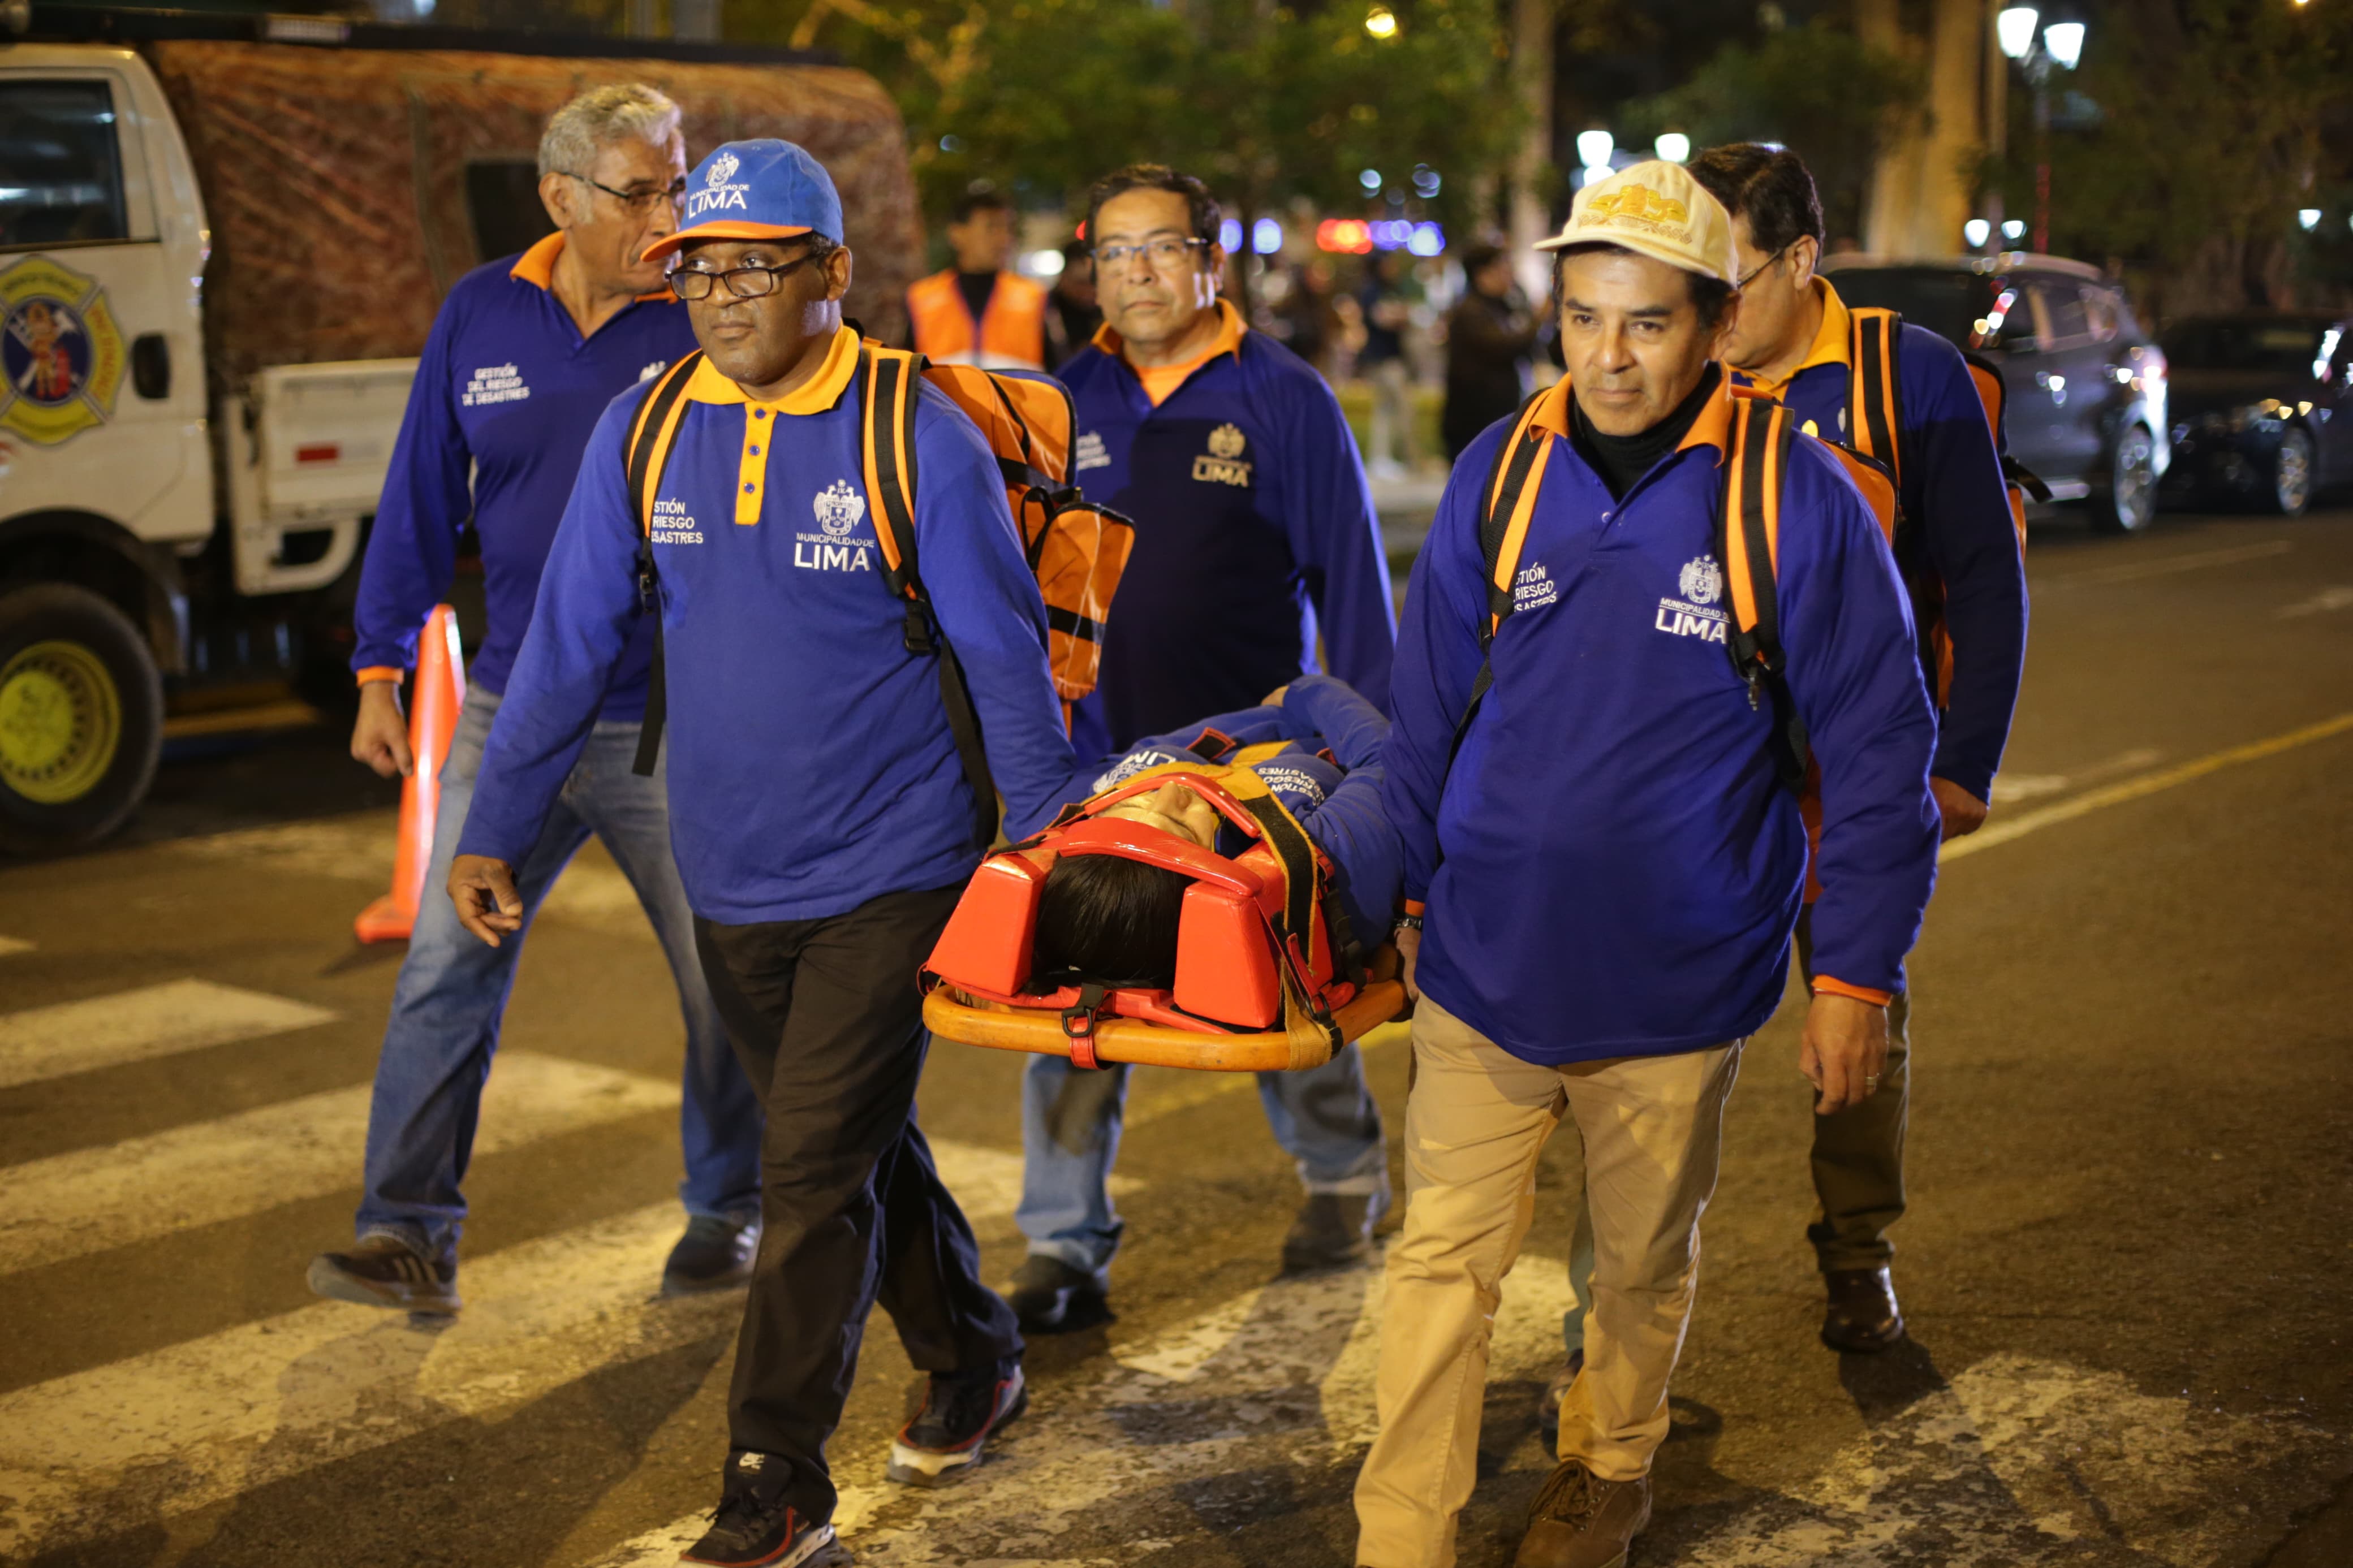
x=1230, y=328
x=1830, y=340
x=537, y=266
x=1712, y=428
x=814, y=396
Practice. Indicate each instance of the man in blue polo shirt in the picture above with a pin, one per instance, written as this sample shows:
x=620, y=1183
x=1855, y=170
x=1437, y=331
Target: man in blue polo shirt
x=1793, y=341
x=524, y=355
x=1257, y=555
x=825, y=823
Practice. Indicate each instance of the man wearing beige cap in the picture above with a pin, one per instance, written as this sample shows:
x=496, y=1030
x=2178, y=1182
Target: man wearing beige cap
x=1596, y=811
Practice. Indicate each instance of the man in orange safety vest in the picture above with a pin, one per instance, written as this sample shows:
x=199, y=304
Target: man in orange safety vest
x=979, y=311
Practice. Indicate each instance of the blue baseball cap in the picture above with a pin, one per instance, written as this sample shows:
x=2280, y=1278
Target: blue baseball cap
x=755, y=190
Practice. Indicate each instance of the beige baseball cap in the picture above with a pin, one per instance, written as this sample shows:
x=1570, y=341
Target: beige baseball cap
x=1654, y=209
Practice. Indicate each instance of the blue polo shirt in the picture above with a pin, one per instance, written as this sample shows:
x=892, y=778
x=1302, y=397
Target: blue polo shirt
x=1952, y=492
x=807, y=752
x=505, y=396
x=1613, y=867
x=1327, y=774
x=1255, y=535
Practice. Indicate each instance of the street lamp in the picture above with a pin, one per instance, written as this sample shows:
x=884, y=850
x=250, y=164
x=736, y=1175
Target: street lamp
x=1594, y=147
x=2309, y=217
x=1977, y=231
x=2060, y=44
x=1672, y=146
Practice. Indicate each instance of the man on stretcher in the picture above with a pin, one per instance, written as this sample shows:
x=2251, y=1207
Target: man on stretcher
x=1109, y=921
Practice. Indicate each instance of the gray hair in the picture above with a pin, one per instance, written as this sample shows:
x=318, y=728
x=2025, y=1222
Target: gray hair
x=600, y=116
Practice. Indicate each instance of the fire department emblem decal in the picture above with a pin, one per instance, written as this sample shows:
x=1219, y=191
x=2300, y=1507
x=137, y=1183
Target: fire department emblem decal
x=60, y=352
x=838, y=508
x=1226, y=441
x=1702, y=581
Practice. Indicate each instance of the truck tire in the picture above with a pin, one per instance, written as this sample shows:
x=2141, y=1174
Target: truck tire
x=81, y=719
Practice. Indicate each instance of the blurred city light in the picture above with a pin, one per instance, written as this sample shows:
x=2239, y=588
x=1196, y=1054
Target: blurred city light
x=2309, y=217
x=1594, y=147
x=2015, y=28
x=1230, y=236
x=1977, y=231
x=1266, y=236
x=1381, y=22
x=1427, y=240
x=1593, y=172
x=1349, y=235
x=1043, y=264
x=2065, y=42
x=1371, y=180
x=2015, y=228
x=1425, y=180
x=1672, y=145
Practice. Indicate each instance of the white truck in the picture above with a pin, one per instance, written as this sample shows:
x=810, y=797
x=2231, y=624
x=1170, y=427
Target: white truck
x=222, y=240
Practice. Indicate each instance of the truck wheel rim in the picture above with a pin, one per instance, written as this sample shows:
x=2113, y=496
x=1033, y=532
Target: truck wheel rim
x=60, y=723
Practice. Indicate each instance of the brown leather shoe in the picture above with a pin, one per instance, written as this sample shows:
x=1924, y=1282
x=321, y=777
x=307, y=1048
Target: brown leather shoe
x=1862, y=1317
x=1579, y=1520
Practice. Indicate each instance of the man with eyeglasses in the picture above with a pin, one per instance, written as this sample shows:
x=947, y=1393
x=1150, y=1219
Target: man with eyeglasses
x=1957, y=549
x=825, y=827
x=524, y=355
x=1258, y=557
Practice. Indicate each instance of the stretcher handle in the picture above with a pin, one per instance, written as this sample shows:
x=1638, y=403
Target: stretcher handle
x=1156, y=1044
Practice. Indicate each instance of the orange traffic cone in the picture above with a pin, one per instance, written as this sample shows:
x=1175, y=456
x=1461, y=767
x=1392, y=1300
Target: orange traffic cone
x=432, y=719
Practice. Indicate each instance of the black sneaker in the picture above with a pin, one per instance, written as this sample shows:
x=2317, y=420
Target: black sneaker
x=1050, y=1297
x=1332, y=1231
x=715, y=1254
x=755, y=1527
x=384, y=1270
x=944, y=1438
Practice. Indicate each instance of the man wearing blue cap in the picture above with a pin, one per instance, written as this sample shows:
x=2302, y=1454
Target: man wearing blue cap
x=824, y=823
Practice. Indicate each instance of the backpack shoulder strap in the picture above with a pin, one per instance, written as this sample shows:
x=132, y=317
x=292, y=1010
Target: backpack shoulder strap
x=644, y=456
x=1303, y=904
x=652, y=434
x=889, y=379
x=1507, y=501
x=1748, y=541
x=1874, y=397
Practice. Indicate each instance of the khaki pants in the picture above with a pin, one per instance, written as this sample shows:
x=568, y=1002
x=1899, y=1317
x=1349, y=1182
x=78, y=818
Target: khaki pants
x=1475, y=1122
x=1858, y=1152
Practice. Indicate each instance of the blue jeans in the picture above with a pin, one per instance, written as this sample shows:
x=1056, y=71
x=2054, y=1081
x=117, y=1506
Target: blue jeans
x=453, y=991
x=1324, y=1118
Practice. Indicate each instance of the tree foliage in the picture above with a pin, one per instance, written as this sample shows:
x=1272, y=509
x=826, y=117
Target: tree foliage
x=1263, y=101
x=2209, y=123
x=1816, y=88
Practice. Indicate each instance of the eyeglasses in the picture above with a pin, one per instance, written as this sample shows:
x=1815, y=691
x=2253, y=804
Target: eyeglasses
x=742, y=282
x=640, y=199
x=1761, y=266
x=1163, y=253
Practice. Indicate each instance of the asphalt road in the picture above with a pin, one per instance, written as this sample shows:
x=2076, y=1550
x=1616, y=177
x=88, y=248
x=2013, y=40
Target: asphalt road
x=2125, y=1262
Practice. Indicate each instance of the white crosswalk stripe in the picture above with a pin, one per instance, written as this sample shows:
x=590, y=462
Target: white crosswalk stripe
x=128, y=1192
x=140, y=1025
x=190, y=1424
x=1277, y=1376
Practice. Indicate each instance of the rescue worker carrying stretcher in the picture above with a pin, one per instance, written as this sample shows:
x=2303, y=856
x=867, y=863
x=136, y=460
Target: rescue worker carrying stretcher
x=1316, y=745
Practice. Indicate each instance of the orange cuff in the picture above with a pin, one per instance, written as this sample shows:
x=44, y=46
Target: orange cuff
x=376, y=672
x=1412, y=906
x=1826, y=986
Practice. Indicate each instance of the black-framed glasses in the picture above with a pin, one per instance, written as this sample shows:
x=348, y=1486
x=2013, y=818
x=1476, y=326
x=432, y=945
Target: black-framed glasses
x=640, y=199
x=1163, y=251
x=1760, y=267
x=742, y=282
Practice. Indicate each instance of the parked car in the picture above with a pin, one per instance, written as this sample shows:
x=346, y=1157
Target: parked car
x=2086, y=385
x=2261, y=412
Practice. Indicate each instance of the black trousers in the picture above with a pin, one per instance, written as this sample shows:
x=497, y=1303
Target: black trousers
x=825, y=1017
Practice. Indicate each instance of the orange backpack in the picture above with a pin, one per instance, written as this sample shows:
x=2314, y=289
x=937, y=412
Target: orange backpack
x=1077, y=550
